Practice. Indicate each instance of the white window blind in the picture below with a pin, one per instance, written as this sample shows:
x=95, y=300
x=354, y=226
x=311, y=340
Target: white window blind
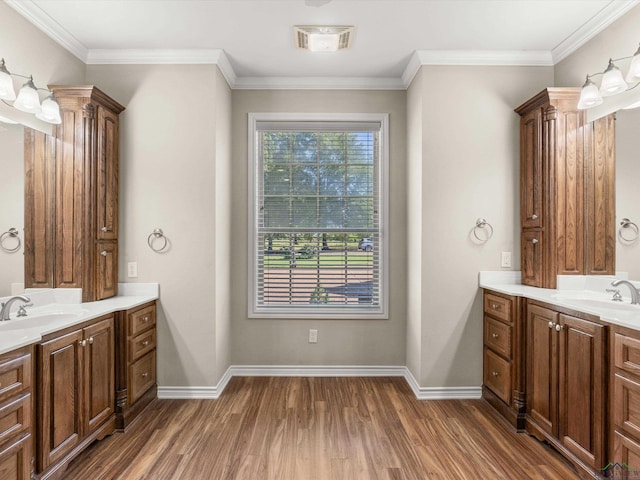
x=317, y=212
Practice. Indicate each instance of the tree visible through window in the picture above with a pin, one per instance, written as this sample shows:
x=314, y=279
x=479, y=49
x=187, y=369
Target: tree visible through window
x=317, y=216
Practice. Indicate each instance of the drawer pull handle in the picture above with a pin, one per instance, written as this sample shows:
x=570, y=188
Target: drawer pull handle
x=145, y=375
x=495, y=374
x=551, y=324
x=494, y=335
x=103, y=253
x=534, y=240
x=495, y=306
x=103, y=229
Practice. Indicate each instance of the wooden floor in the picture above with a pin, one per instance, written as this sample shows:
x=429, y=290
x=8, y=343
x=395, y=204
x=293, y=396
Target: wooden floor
x=285, y=428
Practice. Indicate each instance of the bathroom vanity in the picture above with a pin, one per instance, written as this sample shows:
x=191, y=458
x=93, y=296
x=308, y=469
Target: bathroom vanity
x=82, y=370
x=564, y=366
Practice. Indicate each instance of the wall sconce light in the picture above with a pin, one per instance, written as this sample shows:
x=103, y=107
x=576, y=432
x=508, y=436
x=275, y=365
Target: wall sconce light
x=612, y=83
x=28, y=99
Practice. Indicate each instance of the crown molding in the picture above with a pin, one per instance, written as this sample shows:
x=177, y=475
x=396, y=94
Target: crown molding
x=318, y=83
x=600, y=21
x=474, y=58
x=50, y=27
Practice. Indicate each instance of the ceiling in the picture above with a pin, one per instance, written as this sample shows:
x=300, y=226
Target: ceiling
x=252, y=40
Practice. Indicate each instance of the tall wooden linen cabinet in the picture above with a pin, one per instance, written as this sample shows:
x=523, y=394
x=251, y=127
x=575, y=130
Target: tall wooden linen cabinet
x=71, y=196
x=567, y=189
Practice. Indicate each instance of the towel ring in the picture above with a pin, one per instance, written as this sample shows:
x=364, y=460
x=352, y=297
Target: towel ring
x=635, y=232
x=11, y=233
x=157, y=234
x=481, y=224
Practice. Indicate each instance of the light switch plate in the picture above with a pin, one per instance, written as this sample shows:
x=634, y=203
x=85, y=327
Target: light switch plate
x=505, y=261
x=132, y=269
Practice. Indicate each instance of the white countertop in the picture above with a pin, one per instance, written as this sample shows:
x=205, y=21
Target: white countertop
x=56, y=309
x=568, y=286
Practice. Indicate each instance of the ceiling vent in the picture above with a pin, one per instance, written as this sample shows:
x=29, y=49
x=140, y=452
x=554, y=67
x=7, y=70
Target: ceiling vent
x=321, y=38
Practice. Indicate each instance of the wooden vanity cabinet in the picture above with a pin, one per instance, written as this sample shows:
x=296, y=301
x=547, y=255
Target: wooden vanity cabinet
x=71, y=196
x=16, y=407
x=566, y=189
x=76, y=396
x=503, y=364
x=135, y=362
x=567, y=384
x=625, y=397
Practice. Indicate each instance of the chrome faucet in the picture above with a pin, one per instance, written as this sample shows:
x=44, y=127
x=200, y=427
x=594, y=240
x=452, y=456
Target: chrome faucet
x=635, y=293
x=6, y=306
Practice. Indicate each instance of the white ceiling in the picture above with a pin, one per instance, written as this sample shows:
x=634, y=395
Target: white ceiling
x=252, y=40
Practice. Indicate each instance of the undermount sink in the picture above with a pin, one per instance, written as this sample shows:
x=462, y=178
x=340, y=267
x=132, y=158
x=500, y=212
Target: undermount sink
x=42, y=318
x=588, y=300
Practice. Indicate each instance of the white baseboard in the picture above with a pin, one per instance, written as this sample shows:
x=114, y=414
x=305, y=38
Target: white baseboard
x=421, y=393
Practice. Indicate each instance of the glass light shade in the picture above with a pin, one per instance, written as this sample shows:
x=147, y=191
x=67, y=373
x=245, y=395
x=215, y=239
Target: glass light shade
x=324, y=42
x=634, y=69
x=28, y=99
x=612, y=81
x=7, y=91
x=589, y=95
x=50, y=111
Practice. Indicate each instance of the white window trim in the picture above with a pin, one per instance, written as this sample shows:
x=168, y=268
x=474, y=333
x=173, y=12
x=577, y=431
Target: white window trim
x=335, y=312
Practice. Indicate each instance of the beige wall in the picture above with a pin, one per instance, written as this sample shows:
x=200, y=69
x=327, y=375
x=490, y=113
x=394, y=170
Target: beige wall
x=620, y=39
x=340, y=342
x=466, y=155
x=174, y=142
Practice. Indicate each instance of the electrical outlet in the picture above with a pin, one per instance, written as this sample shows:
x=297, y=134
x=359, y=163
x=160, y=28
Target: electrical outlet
x=506, y=260
x=132, y=269
x=313, y=336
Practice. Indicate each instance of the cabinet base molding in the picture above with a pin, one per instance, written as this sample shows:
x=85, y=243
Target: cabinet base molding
x=57, y=471
x=515, y=418
x=584, y=471
x=125, y=418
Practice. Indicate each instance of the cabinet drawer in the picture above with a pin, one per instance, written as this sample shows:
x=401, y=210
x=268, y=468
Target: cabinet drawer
x=497, y=375
x=627, y=353
x=497, y=336
x=15, y=417
x=141, y=320
x=626, y=404
x=142, y=344
x=625, y=450
x=498, y=307
x=142, y=376
x=15, y=460
x=15, y=375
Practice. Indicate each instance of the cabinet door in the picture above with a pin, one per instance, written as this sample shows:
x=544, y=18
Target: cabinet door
x=106, y=270
x=531, y=248
x=59, y=393
x=99, y=377
x=15, y=460
x=582, y=389
x=531, y=181
x=107, y=175
x=542, y=368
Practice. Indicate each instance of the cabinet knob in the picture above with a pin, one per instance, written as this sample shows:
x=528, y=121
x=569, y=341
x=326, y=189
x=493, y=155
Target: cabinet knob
x=495, y=306
x=103, y=253
x=83, y=343
x=145, y=375
x=534, y=217
x=551, y=324
x=145, y=343
x=534, y=240
x=103, y=229
x=145, y=319
x=494, y=335
x=495, y=374
x=90, y=340
x=558, y=327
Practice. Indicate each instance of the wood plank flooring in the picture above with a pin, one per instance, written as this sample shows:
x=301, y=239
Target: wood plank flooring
x=315, y=428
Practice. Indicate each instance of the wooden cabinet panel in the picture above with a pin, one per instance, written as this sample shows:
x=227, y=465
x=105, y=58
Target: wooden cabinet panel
x=15, y=417
x=59, y=391
x=99, y=373
x=107, y=172
x=626, y=404
x=142, y=375
x=142, y=344
x=497, y=375
x=15, y=374
x=542, y=367
x=141, y=320
x=531, y=243
x=106, y=270
x=15, y=460
x=582, y=386
x=531, y=192
x=498, y=307
x=497, y=336
x=626, y=353
x=625, y=451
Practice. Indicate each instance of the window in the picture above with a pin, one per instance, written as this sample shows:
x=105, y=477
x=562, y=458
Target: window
x=317, y=243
